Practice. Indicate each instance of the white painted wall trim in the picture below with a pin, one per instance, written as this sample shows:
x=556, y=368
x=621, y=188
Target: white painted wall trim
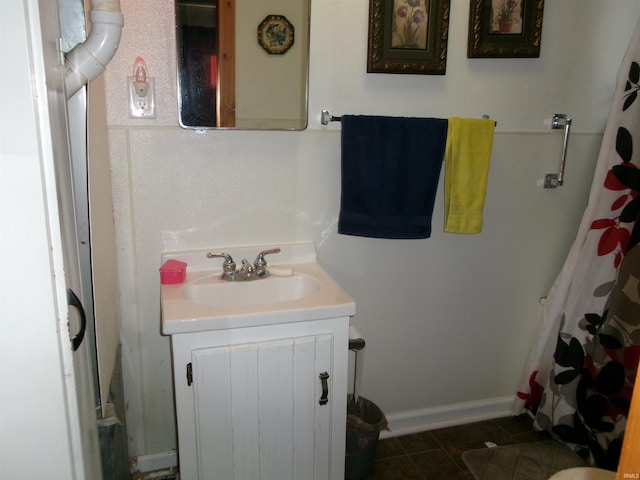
x=420, y=420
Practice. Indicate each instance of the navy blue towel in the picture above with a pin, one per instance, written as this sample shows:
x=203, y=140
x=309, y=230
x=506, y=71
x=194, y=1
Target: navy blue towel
x=390, y=172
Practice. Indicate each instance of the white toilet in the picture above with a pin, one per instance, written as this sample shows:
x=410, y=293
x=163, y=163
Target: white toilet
x=584, y=473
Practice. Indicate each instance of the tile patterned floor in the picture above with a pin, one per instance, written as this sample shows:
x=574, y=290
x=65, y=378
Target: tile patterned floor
x=437, y=454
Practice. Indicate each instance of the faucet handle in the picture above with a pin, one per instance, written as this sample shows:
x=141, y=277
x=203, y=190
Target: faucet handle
x=260, y=265
x=228, y=266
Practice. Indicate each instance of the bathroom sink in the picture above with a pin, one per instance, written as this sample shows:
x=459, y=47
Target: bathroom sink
x=297, y=290
x=268, y=291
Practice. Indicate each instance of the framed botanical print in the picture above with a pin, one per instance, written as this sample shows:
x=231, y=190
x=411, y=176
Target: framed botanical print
x=408, y=36
x=505, y=28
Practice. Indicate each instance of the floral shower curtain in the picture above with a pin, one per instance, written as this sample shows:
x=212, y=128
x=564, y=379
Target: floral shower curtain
x=581, y=371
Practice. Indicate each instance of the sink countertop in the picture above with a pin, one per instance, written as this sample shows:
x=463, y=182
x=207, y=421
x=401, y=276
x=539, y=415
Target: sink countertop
x=180, y=315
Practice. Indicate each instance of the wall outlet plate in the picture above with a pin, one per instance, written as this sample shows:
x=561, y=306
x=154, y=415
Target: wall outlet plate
x=142, y=107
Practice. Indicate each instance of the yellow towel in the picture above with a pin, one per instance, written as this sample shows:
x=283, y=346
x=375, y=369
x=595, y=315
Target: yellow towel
x=467, y=157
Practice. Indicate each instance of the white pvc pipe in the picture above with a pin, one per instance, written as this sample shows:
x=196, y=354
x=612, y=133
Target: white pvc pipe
x=89, y=59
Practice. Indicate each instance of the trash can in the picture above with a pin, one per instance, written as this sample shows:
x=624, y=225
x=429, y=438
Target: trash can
x=365, y=420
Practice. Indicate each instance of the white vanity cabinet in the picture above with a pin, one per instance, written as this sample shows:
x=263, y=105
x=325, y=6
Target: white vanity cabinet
x=265, y=402
x=259, y=366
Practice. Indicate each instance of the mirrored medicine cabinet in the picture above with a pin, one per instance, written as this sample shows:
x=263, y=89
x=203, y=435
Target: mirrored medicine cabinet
x=243, y=63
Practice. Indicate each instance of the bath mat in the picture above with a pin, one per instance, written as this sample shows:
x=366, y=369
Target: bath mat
x=527, y=461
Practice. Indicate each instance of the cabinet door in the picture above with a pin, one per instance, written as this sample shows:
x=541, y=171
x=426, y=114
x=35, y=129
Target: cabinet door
x=257, y=409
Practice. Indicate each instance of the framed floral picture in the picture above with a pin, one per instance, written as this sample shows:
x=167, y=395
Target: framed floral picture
x=408, y=36
x=505, y=28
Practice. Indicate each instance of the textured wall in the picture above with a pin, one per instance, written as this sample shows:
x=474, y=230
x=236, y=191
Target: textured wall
x=448, y=320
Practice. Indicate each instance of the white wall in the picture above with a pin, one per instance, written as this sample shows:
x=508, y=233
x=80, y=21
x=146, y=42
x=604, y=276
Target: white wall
x=30, y=366
x=42, y=434
x=448, y=320
x=265, y=84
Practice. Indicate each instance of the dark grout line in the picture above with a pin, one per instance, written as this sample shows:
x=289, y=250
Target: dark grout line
x=417, y=468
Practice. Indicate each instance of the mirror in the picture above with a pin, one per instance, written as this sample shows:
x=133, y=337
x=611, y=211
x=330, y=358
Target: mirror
x=243, y=63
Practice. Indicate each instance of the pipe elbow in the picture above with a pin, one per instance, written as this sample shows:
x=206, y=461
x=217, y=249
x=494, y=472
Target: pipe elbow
x=89, y=59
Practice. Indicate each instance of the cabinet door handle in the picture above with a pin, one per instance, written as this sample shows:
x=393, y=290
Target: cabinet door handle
x=324, y=399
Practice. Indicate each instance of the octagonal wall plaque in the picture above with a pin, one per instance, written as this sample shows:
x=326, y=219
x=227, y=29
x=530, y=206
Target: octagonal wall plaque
x=275, y=34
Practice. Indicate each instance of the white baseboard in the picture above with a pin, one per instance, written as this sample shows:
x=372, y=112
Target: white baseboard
x=401, y=423
x=414, y=421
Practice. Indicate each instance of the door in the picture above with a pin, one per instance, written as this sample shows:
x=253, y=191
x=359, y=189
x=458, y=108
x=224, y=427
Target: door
x=53, y=140
x=260, y=409
x=94, y=227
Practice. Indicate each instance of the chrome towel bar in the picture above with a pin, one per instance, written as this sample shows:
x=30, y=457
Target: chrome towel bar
x=559, y=121
x=326, y=117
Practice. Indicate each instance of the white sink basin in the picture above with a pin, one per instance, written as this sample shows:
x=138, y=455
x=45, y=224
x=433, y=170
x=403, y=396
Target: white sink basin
x=267, y=291
x=300, y=291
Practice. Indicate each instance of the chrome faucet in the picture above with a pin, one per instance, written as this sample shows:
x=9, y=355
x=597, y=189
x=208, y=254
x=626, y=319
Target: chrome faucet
x=247, y=270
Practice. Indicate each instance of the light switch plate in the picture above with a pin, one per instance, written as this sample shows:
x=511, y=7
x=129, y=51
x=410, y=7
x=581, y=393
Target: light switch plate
x=142, y=107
